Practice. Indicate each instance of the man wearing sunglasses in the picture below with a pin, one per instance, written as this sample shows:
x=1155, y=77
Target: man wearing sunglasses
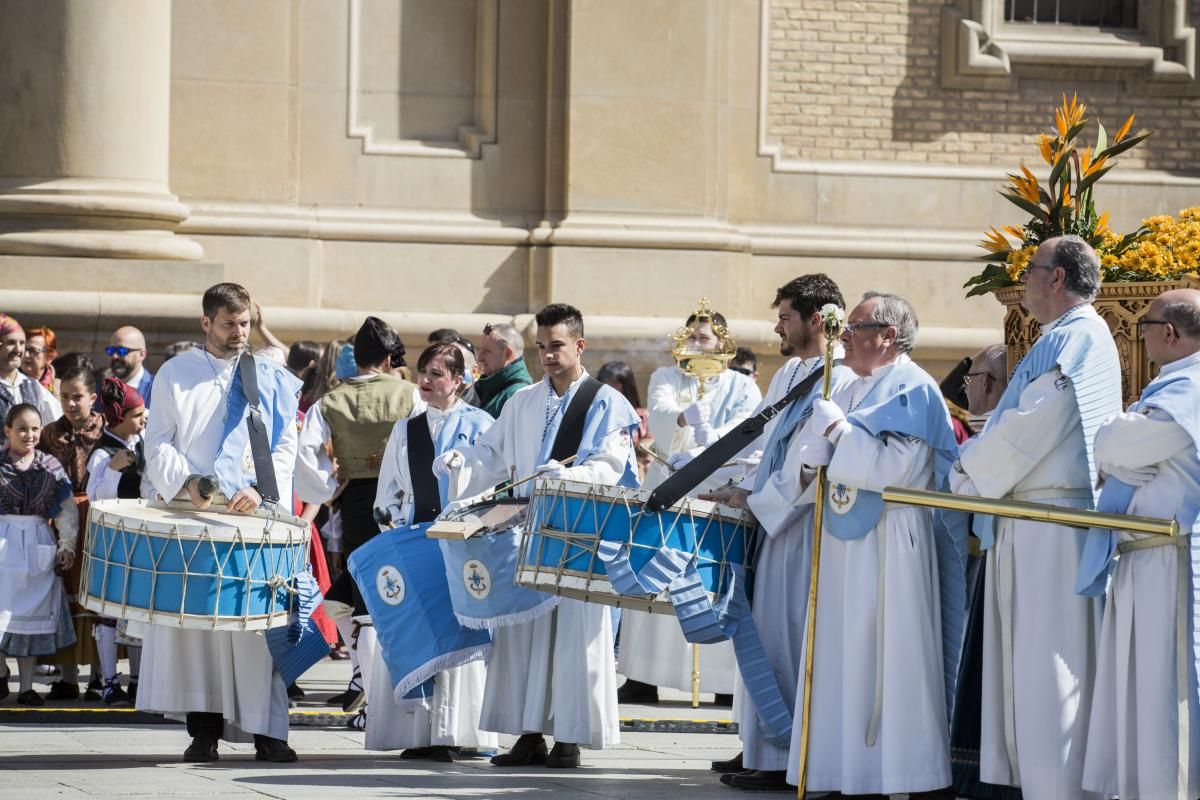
x=126, y=352
x=1149, y=459
x=1039, y=637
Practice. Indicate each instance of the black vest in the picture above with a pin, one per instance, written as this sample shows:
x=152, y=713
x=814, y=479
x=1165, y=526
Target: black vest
x=130, y=485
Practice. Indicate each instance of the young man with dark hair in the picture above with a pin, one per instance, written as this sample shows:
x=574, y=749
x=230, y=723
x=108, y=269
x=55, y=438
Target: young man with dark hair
x=554, y=674
x=224, y=682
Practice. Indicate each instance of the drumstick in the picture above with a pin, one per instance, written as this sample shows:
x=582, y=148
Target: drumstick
x=641, y=448
x=504, y=487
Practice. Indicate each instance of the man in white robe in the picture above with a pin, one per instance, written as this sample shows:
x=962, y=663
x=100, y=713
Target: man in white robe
x=653, y=651
x=1146, y=663
x=1039, y=636
x=878, y=716
x=223, y=681
x=784, y=514
x=555, y=674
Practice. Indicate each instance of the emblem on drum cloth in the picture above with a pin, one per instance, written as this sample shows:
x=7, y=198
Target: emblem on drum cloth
x=842, y=497
x=477, y=579
x=390, y=585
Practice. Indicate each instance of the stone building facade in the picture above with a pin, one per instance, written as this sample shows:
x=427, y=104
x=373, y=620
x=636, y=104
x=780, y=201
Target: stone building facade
x=447, y=163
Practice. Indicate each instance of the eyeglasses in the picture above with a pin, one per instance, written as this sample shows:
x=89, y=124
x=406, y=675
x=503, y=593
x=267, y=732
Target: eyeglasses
x=113, y=350
x=1144, y=321
x=1029, y=270
x=854, y=327
x=967, y=376
x=37, y=351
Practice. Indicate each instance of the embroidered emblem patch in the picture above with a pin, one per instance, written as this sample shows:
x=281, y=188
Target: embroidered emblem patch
x=390, y=585
x=842, y=497
x=248, y=460
x=477, y=579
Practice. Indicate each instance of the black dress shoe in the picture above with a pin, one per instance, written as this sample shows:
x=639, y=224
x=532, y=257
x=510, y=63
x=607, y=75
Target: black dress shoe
x=726, y=767
x=95, y=689
x=132, y=691
x=30, y=698
x=443, y=753
x=724, y=701
x=61, y=690
x=759, y=779
x=637, y=692
x=273, y=750
x=563, y=755
x=338, y=699
x=529, y=749
x=201, y=750
x=4, y=690
x=295, y=692
x=945, y=793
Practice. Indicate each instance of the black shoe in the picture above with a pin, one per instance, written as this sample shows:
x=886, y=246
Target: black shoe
x=273, y=750
x=295, y=692
x=4, y=690
x=30, y=698
x=95, y=689
x=355, y=696
x=759, y=779
x=359, y=721
x=945, y=793
x=338, y=699
x=563, y=755
x=443, y=753
x=132, y=690
x=61, y=690
x=114, y=694
x=529, y=749
x=201, y=750
x=724, y=701
x=726, y=767
x=637, y=692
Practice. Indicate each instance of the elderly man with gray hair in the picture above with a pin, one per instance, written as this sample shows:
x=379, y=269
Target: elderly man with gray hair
x=502, y=364
x=890, y=594
x=1039, y=637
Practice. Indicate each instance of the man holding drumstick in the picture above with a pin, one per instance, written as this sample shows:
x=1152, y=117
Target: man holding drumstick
x=223, y=681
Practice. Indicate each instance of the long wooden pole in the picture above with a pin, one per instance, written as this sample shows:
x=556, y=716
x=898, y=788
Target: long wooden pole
x=833, y=329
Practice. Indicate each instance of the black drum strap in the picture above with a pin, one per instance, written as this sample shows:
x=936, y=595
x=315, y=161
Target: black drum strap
x=427, y=497
x=570, y=432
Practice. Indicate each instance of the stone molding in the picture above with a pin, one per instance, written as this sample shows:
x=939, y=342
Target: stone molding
x=471, y=138
x=980, y=50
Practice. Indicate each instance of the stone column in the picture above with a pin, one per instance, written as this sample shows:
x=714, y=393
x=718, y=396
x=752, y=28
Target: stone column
x=84, y=119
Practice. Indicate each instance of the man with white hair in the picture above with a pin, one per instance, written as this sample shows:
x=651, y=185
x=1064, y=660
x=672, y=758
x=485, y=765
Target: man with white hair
x=1039, y=649
x=1146, y=681
x=890, y=593
x=502, y=367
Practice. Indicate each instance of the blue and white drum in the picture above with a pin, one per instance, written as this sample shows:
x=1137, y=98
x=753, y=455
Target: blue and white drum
x=563, y=551
x=169, y=564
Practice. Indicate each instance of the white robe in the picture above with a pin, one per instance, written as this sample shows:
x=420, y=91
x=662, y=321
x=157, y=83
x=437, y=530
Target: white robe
x=185, y=670
x=452, y=718
x=878, y=635
x=553, y=675
x=1133, y=734
x=653, y=649
x=783, y=508
x=1039, y=649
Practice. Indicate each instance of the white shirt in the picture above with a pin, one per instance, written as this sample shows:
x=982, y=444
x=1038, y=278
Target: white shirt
x=102, y=481
x=47, y=404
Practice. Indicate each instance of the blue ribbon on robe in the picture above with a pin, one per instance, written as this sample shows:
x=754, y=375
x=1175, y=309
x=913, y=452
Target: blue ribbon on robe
x=907, y=402
x=1081, y=347
x=279, y=399
x=299, y=645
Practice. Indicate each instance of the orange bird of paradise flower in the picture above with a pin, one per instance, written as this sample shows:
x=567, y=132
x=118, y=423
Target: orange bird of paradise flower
x=1069, y=115
x=1027, y=186
x=1124, y=131
x=995, y=241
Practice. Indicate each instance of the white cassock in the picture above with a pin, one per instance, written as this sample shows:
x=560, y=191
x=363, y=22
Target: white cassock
x=1133, y=735
x=223, y=672
x=783, y=508
x=452, y=718
x=878, y=647
x=653, y=649
x=1040, y=637
x=553, y=675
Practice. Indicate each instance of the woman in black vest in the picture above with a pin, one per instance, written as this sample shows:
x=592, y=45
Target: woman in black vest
x=115, y=472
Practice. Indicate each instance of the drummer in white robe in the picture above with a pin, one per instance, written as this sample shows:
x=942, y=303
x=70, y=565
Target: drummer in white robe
x=782, y=504
x=1134, y=747
x=223, y=681
x=451, y=721
x=555, y=674
x=879, y=698
x=1040, y=637
x=653, y=651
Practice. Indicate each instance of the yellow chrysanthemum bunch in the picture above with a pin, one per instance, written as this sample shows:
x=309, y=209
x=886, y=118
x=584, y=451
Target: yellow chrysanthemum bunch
x=1169, y=249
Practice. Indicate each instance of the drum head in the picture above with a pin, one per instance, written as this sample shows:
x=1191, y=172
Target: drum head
x=492, y=516
x=154, y=517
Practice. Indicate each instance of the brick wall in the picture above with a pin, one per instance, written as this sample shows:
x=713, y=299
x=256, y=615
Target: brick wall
x=860, y=79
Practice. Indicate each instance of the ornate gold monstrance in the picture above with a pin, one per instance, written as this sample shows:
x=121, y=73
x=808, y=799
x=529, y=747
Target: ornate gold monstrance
x=703, y=364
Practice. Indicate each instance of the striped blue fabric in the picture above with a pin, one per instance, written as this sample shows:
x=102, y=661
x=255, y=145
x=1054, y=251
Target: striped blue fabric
x=293, y=659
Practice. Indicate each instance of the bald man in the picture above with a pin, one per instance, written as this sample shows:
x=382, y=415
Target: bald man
x=126, y=352
x=1146, y=664
x=987, y=379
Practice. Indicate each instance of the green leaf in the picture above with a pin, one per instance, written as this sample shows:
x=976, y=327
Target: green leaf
x=1121, y=147
x=1022, y=203
x=1095, y=176
x=1060, y=165
x=1075, y=130
x=1101, y=137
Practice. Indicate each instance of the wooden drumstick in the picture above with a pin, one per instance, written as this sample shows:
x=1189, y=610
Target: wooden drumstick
x=504, y=487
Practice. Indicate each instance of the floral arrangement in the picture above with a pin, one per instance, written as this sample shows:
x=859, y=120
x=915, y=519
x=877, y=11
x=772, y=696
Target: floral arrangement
x=1162, y=248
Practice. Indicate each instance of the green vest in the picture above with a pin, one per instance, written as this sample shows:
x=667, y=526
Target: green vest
x=360, y=415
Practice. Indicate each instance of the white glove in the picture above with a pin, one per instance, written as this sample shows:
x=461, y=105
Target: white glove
x=443, y=464
x=824, y=414
x=1134, y=476
x=554, y=471
x=815, y=450
x=697, y=413
x=679, y=460
x=961, y=483
x=704, y=434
